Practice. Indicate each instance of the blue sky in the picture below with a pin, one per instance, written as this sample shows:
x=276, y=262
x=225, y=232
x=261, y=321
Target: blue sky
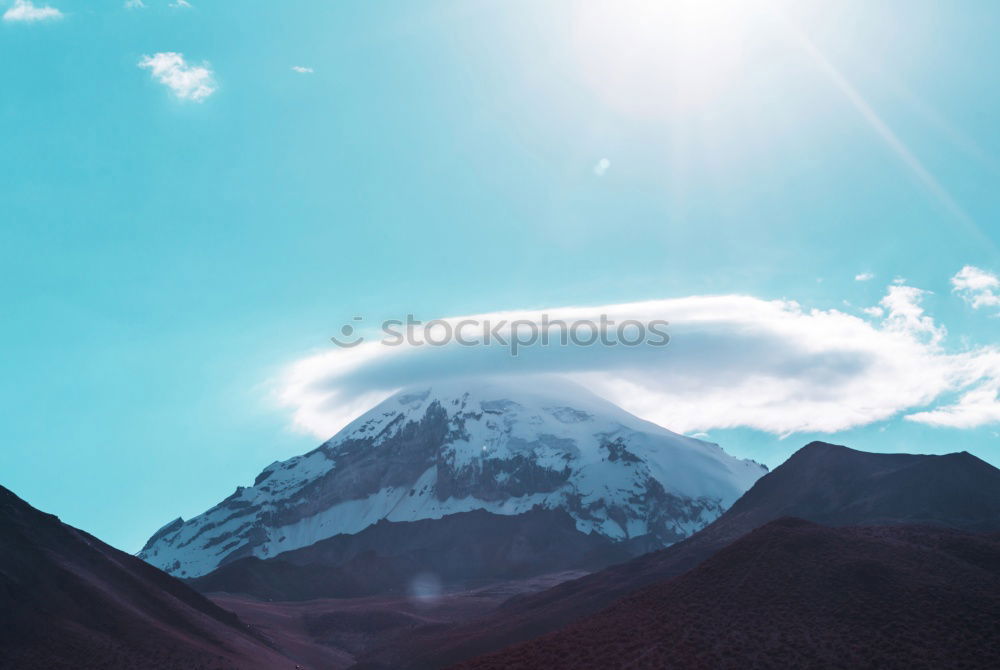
x=166, y=260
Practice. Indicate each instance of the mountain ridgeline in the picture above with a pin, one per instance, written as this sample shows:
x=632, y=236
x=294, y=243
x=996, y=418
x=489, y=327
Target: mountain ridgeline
x=893, y=561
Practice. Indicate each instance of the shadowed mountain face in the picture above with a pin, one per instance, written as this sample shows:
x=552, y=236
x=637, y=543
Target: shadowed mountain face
x=823, y=483
x=837, y=486
x=70, y=601
x=793, y=594
x=458, y=550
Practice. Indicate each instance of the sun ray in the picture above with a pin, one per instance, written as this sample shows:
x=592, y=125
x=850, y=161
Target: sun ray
x=882, y=129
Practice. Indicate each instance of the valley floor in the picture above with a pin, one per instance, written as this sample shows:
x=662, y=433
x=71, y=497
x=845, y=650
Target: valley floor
x=334, y=633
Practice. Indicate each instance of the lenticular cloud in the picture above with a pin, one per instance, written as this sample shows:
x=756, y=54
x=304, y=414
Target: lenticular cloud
x=733, y=361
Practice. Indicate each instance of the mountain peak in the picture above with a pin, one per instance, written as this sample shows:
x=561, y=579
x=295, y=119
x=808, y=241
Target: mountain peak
x=457, y=446
x=818, y=448
x=837, y=485
x=817, y=445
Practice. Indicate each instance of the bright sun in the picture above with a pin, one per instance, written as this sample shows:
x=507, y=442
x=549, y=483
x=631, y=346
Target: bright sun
x=647, y=57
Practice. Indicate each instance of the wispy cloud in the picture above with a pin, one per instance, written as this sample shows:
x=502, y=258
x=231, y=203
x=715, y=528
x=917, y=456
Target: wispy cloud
x=188, y=82
x=181, y=4
x=601, y=167
x=977, y=407
x=864, y=276
x=134, y=4
x=301, y=69
x=977, y=287
x=24, y=10
x=733, y=361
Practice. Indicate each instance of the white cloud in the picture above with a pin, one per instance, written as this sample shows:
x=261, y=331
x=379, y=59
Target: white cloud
x=864, y=276
x=188, y=82
x=302, y=70
x=24, y=10
x=905, y=314
x=977, y=287
x=180, y=4
x=134, y=4
x=978, y=407
x=733, y=361
x=601, y=167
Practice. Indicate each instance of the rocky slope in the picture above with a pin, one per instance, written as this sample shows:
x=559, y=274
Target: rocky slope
x=793, y=594
x=461, y=550
x=70, y=601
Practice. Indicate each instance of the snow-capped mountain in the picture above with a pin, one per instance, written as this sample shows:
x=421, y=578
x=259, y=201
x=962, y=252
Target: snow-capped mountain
x=498, y=446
